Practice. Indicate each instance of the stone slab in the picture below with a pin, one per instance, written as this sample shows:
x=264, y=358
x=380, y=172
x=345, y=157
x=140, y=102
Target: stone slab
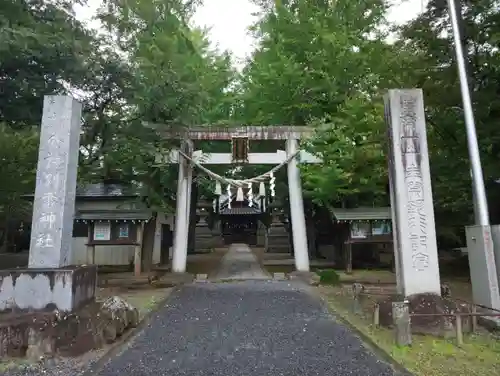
x=54, y=202
x=65, y=289
x=200, y=278
x=411, y=193
x=495, y=235
x=309, y=278
x=485, y=289
x=325, y=264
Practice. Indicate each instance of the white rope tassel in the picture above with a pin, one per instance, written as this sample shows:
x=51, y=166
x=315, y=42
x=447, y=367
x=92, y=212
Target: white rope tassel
x=262, y=189
x=229, y=198
x=239, y=195
x=250, y=195
x=272, y=185
x=218, y=188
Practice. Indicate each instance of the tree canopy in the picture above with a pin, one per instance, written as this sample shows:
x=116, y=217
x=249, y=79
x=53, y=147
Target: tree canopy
x=322, y=63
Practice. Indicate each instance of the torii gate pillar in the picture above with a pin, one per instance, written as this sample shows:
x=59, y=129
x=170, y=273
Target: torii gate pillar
x=299, y=233
x=179, y=256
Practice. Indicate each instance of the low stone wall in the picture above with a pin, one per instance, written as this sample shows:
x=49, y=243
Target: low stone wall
x=65, y=289
x=45, y=334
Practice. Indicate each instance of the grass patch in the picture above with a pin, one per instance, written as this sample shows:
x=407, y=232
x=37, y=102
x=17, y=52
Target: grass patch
x=428, y=356
x=328, y=277
x=287, y=269
x=13, y=364
x=145, y=300
x=367, y=276
x=362, y=276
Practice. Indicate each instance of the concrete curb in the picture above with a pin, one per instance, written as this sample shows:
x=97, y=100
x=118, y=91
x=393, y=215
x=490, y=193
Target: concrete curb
x=121, y=345
x=367, y=340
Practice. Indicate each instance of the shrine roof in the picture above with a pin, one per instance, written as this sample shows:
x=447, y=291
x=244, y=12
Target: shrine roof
x=113, y=215
x=240, y=211
x=106, y=190
x=102, y=191
x=362, y=214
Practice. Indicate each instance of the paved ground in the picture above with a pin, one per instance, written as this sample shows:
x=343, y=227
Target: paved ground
x=256, y=327
x=239, y=263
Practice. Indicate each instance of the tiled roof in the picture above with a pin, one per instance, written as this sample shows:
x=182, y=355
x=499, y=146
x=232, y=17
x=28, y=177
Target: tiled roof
x=106, y=190
x=112, y=215
x=240, y=211
x=362, y=214
x=102, y=190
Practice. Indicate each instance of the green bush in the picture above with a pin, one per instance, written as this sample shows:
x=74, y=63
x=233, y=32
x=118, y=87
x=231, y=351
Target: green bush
x=328, y=277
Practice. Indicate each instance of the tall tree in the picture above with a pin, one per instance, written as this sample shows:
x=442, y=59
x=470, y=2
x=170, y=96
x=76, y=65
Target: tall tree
x=324, y=64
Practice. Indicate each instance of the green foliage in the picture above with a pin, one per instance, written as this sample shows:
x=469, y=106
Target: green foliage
x=41, y=48
x=328, y=277
x=150, y=66
x=309, y=70
x=323, y=63
x=18, y=159
x=327, y=64
x=427, y=41
x=351, y=145
x=175, y=80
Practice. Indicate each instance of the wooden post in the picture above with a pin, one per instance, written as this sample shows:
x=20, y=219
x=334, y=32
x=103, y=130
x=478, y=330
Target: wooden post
x=393, y=263
x=376, y=315
x=458, y=327
x=348, y=258
x=266, y=239
x=402, y=323
x=138, y=250
x=90, y=246
x=473, y=321
x=357, y=288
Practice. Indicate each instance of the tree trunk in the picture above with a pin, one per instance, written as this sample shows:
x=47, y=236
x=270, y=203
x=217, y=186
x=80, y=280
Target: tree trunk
x=4, y=239
x=148, y=241
x=311, y=237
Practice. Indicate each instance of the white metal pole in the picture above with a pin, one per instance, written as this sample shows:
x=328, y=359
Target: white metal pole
x=475, y=158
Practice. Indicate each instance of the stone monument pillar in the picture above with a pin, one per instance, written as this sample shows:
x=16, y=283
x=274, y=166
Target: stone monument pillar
x=414, y=230
x=49, y=281
x=54, y=203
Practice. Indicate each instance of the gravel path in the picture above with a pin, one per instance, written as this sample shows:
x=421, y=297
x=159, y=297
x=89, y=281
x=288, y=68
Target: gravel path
x=245, y=328
x=255, y=327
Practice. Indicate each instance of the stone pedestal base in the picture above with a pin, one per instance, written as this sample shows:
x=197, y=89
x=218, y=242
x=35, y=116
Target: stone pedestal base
x=37, y=289
x=309, y=278
x=174, y=279
x=441, y=326
x=68, y=334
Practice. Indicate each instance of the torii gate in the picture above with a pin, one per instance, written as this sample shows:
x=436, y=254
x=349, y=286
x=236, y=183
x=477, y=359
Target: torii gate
x=240, y=137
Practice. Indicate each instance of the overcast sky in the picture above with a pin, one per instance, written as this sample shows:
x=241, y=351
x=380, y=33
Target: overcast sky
x=229, y=20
